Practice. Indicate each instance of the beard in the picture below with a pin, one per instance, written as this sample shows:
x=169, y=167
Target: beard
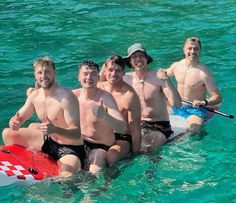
x=49, y=85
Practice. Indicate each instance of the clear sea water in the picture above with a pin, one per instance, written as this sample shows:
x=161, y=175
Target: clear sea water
x=199, y=168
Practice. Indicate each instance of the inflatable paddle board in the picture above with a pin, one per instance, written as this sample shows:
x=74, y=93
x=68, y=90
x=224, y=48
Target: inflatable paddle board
x=19, y=165
x=179, y=126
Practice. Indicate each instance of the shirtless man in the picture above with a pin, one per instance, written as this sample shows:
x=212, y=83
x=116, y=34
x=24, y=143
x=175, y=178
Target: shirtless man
x=194, y=80
x=58, y=109
x=100, y=116
x=128, y=104
x=155, y=90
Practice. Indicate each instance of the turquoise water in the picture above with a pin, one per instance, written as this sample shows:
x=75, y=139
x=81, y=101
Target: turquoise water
x=199, y=168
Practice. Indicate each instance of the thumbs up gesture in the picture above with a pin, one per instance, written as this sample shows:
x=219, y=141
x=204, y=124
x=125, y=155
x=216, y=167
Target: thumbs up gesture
x=14, y=122
x=47, y=127
x=99, y=111
x=31, y=89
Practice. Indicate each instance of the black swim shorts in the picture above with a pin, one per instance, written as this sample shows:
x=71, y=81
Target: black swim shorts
x=161, y=126
x=56, y=151
x=124, y=137
x=90, y=146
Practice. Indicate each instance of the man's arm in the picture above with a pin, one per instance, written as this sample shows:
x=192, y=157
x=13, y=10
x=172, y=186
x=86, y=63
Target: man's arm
x=22, y=115
x=215, y=95
x=170, y=71
x=134, y=120
x=169, y=90
x=101, y=74
x=108, y=110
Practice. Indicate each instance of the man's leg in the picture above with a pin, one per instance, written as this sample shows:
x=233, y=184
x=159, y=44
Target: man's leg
x=153, y=140
x=69, y=165
x=97, y=160
x=26, y=137
x=195, y=123
x=117, y=152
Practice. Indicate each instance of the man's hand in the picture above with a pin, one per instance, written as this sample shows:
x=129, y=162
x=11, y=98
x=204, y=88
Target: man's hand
x=197, y=103
x=162, y=75
x=31, y=89
x=47, y=127
x=14, y=122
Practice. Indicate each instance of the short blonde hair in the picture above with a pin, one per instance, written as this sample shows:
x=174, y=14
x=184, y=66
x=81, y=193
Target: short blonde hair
x=193, y=39
x=44, y=61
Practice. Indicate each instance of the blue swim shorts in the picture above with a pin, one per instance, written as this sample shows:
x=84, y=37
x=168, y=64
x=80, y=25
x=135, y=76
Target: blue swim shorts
x=186, y=111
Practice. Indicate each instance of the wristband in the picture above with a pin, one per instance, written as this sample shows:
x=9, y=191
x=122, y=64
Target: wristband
x=206, y=102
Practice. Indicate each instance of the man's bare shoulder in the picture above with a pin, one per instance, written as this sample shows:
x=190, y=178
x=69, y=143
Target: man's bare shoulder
x=152, y=77
x=106, y=97
x=34, y=96
x=204, y=71
x=128, y=90
x=177, y=64
x=64, y=93
x=104, y=93
x=77, y=92
x=203, y=67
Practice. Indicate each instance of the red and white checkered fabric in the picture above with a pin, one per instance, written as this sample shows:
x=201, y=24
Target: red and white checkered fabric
x=12, y=173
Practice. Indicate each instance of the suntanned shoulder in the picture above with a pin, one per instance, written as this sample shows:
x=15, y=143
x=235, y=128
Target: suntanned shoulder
x=177, y=64
x=34, y=93
x=105, y=93
x=77, y=92
x=107, y=98
x=63, y=91
x=205, y=72
x=127, y=89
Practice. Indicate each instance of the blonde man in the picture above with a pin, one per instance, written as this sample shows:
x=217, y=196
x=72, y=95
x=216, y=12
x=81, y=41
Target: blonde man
x=58, y=134
x=194, y=81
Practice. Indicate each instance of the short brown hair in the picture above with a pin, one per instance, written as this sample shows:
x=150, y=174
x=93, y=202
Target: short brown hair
x=117, y=60
x=90, y=64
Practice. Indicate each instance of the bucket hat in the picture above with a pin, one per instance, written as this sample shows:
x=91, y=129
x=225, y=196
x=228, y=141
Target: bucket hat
x=134, y=48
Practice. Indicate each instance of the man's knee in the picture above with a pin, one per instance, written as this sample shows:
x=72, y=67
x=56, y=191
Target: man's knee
x=195, y=128
x=111, y=157
x=5, y=135
x=195, y=124
x=34, y=125
x=69, y=165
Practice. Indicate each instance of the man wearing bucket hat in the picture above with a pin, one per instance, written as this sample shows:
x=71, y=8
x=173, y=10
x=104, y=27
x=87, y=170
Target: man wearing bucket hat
x=155, y=92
